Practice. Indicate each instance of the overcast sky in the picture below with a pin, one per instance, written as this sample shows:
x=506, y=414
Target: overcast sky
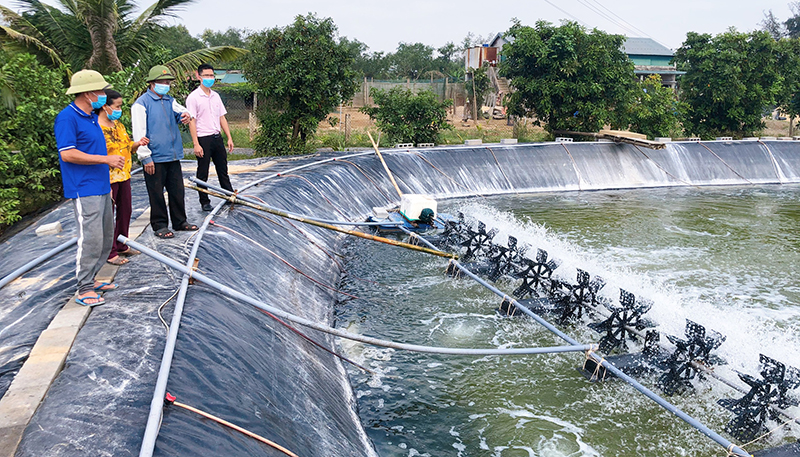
x=382, y=25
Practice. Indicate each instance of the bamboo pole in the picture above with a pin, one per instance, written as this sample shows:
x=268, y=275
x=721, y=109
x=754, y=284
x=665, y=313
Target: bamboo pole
x=385, y=167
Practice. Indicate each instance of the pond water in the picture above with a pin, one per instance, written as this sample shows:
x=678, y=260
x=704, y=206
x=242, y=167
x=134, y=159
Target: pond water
x=727, y=258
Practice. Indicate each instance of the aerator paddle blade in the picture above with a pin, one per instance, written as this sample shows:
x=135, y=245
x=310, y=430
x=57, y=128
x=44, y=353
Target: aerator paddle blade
x=696, y=348
x=755, y=407
x=619, y=328
x=478, y=242
x=577, y=298
x=535, y=275
x=504, y=259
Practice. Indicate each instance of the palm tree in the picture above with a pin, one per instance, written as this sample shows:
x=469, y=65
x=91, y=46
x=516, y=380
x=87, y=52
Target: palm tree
x=103, y=35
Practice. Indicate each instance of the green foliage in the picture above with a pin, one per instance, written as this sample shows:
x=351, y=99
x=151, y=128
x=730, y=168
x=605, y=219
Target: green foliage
x=792, y=25
x=231, y=37
x=412, y=60
x=653, y=109
x=408, y=118
x=565, y=77
x=729, y=80
x=788, y=61
x=29, y=172
x=477, y=87
x=176, y=41
x=301, y=72
x=104, y=35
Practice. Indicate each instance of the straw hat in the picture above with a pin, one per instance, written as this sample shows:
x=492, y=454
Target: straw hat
x=86, y=81
x=159, y=72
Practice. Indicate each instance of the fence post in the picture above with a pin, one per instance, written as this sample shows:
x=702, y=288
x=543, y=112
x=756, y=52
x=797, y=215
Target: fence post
x=252, y=121
x=346, y=128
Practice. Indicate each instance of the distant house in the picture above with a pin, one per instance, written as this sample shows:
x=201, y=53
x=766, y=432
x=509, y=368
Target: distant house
x=651, y=58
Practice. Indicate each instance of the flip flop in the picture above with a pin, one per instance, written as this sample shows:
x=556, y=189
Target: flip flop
x=129, y=252
x=164, y=233
x=82, y=301
x=118, y=260
x=186, y=227
x=105, y=287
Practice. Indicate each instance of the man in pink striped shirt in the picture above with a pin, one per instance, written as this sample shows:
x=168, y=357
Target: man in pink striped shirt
x=208, y=117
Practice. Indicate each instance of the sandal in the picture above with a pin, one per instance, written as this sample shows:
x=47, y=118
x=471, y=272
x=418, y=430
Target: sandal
x=164, y=233
x=129, y=252
x=118, y=260
x=105, y=287
x=82, y=301
x=186, y=227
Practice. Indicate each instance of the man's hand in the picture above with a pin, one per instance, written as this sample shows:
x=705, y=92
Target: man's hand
x=230, y=144
x=198, y=150
x=186, y=117
x=115, y=161
x=150, y=168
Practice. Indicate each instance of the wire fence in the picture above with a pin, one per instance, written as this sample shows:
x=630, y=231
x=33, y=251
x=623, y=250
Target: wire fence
x=240, y=104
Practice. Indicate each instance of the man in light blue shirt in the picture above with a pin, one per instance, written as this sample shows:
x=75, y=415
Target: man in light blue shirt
x=156, y=115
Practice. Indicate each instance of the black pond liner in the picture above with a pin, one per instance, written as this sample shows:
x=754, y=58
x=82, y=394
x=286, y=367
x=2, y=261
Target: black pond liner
x=235, y=362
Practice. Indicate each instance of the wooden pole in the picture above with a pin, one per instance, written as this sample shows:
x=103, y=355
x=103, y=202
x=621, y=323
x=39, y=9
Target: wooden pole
x=385, y=167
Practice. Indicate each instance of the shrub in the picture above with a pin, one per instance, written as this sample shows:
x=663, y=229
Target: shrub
x=29, y=171
x=406, y=117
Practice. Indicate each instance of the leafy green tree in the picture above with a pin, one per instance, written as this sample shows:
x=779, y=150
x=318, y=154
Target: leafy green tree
x=653, y=109
x=373, y=65
x=730, y=79
x=477, y=88
x=792, y=25
x=177, y=40
x=231, y=37
x=412, y=60
x=773, y=26
x=407, y=117
x=788, y=92
x=302, y=72
x=566, y=77
x=450, y=61
x=103, y=35
x=29, y=173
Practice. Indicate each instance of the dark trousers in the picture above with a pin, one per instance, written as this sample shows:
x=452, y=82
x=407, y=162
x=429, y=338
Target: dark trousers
x=168, y=175
x=121, y=201
x=213, y=150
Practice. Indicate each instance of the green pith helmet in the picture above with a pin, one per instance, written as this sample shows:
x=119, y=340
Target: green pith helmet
x=159, y=72
x=86, y=81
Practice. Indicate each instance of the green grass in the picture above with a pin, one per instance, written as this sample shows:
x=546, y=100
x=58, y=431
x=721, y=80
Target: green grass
x=241, y=138
x=359, y=139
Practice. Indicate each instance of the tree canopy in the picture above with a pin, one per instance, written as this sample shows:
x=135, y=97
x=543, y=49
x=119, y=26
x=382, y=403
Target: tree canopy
x=29, y=174
x=730, y=79
x=566, y=77
x=104, y=35
x=301, y=72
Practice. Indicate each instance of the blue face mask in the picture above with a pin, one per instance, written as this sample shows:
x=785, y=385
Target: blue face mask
x=101, y=100
x=115, y=114
x=208, y=82
x=160, y=89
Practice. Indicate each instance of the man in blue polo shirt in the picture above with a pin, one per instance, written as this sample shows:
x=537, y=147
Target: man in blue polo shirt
x=84, y=172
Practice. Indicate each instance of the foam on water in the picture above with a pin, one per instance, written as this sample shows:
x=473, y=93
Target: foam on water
x=749, y=330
